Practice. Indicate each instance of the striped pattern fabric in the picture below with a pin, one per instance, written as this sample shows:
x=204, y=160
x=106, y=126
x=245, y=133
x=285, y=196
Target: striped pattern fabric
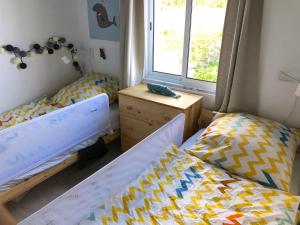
x=182, y=189
x=26, y=112
x=88, y=86
x=250, y=146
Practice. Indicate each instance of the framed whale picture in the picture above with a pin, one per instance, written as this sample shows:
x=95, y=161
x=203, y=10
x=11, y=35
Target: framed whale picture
x=104, y=19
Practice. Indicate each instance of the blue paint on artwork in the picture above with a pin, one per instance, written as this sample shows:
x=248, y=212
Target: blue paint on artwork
x=104, y=20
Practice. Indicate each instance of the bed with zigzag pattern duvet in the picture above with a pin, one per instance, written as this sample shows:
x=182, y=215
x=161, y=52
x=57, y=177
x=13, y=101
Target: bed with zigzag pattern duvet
x=182, y=189
x=165, y=184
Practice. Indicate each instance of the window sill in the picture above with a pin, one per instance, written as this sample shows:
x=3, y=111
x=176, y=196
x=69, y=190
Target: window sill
x=179, y=87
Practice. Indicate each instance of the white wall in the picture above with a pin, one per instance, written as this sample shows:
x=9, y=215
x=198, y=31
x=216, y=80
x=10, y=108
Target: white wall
x=25, y=22
x=22, y=23
x=110, y=66
x=280, y=50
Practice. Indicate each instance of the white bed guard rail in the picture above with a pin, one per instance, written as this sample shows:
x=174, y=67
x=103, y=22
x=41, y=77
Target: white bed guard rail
x=27, y=145
x=72, y=206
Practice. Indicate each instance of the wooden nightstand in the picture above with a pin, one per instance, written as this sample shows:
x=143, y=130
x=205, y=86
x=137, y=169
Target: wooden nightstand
x=142, y=112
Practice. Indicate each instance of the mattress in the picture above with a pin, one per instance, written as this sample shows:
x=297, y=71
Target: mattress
x=26, y=146
x=115, y=124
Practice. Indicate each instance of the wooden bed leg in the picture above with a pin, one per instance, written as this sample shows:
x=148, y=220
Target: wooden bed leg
x=5, y=217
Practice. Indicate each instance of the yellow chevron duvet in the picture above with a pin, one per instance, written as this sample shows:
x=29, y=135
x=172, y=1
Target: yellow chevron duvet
x=26, y=112
x=181, y=189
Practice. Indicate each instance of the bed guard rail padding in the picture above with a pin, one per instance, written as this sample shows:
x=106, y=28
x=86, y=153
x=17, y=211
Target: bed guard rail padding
x=27, y=145
x=76, y=203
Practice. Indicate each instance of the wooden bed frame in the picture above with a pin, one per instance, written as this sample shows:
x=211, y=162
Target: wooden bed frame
x=6, y=218
x=21, y=188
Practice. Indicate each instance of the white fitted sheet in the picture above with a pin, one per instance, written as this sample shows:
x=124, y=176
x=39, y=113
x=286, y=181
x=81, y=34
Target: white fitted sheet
x=191, y=141
x=115, y=123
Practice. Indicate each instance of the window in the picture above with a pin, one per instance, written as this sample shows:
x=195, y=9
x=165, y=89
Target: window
x=184, y=42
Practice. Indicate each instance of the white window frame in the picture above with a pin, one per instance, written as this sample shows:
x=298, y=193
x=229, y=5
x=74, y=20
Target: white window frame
x=179, y=81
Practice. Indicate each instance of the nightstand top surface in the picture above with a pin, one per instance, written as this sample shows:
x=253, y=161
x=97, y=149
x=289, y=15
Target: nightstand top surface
x=141, y=91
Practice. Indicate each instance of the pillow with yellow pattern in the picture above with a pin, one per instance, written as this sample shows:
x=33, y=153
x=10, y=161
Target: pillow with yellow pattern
x=86, y=87
x=26, y=112
x=253, y=147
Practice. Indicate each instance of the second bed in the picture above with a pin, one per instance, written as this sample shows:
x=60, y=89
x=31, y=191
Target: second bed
x=87, y=197
x=75, y=118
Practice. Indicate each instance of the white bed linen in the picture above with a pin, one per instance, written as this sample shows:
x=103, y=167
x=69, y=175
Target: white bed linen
x=27, y=145
x=72, y=206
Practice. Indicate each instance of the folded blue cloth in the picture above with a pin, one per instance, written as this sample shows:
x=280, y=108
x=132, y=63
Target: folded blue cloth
x=162, y=90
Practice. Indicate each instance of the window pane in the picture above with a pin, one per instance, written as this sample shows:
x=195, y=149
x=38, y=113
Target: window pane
x=169, y=22
x=206, y=39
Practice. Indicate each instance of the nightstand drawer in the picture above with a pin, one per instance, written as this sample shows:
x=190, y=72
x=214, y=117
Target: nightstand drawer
x=135, y=130
x=147, y=111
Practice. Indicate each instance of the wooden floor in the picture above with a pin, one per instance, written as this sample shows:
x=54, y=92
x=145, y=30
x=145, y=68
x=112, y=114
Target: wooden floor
x=58, y=184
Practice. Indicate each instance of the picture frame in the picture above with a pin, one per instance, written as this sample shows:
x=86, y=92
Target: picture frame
x=104, y=19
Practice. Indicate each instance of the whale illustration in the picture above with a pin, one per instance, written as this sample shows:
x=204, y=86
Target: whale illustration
x=102, y=17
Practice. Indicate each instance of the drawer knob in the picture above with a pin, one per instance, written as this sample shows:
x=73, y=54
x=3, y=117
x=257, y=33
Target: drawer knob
x=129, y=107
